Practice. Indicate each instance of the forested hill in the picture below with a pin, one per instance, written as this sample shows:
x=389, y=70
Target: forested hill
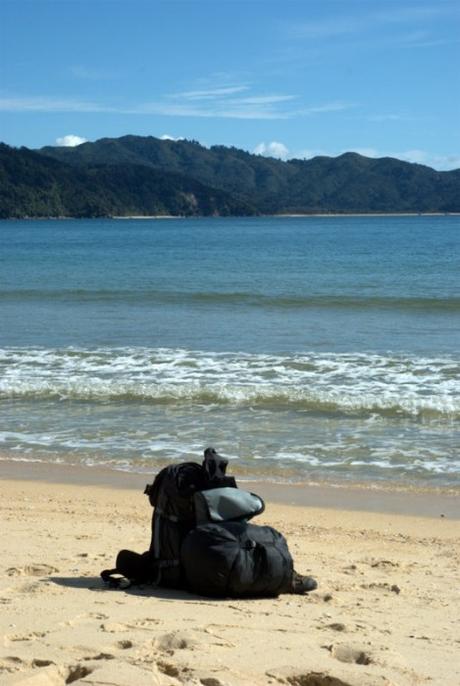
x=35, y=185
x=349, y=183
x=146, y=175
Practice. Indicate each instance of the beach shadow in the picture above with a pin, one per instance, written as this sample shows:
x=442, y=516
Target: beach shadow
x=91, y=583
x=95, y=583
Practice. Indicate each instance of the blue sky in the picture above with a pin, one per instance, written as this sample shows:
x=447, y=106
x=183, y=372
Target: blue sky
x=290, y=78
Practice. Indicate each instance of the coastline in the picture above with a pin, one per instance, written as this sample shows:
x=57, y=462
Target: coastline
x=382, y=615
x=288, y=215
x=355, y=497
x=369, y=214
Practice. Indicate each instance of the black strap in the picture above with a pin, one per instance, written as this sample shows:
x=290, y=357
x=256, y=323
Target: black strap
x=107, y=573
x=108, y=576
x=115, y=579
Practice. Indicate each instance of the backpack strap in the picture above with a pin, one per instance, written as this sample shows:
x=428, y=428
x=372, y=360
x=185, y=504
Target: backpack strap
x=127, y=572
x=112, y=578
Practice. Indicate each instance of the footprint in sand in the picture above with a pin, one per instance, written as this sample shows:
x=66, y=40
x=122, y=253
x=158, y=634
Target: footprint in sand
x=314, y=678
x=176, y=640
x=168, y=668
x=40, y=570
x=124, y=645
x=11, y=663
x=32, y=570
x=114, y=627
x=286, y=675
x=99, y=656
x=83, y=618
x=37, y=662
x=32, y=636
x=351, y=654
x=383, y=564
x=336, y=626
x=76, y=672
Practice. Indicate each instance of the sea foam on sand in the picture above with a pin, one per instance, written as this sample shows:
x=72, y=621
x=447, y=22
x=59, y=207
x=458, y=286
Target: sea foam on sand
x=385, y=612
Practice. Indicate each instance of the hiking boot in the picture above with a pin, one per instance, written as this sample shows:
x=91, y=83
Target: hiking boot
x=302, y=584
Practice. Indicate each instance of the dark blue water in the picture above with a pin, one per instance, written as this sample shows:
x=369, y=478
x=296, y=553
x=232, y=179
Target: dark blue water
x=304, y=347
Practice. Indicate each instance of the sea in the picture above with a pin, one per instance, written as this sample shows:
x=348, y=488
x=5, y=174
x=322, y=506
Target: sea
x=304, y=349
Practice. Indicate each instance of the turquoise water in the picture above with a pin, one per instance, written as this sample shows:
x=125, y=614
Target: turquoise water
x=302, y=348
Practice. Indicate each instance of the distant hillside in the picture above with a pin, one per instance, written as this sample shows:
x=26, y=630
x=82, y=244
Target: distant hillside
x=34, y=185
x=146, y=176
x=349, y=183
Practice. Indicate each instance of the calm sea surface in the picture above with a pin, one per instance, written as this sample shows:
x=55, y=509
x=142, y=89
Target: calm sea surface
x=301, y=348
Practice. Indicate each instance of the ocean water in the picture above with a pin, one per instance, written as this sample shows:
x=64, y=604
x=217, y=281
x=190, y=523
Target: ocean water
x=304, y=349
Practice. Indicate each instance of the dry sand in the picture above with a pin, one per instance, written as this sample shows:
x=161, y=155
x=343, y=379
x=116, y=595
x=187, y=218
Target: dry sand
x=386, y=610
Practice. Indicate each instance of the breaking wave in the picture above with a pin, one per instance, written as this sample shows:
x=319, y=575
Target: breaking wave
x=320, y=383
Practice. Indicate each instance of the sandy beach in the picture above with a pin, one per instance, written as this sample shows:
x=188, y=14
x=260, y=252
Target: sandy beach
x=385, y=612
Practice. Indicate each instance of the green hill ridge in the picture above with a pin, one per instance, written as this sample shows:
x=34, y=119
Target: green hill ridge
x=135, y=175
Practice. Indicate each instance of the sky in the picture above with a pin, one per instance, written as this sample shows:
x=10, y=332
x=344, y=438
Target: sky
x=285, y=78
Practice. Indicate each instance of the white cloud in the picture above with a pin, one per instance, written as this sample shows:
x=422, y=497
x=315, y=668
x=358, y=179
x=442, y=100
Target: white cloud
x=273, y=149
x=262, y=99
x=218, y=110
x=327, y=107
x=210, y=93
x=70, y=141
x=49, y=104
x=216, y=103
x=224, y=101
x=167, y=137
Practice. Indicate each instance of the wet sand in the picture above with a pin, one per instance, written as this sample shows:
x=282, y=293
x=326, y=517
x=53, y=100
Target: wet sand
x=347, y=496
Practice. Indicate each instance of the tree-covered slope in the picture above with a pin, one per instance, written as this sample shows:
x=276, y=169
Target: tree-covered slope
x=145, y=176
x=353, y=183
x=230, y=169
x=348, y=183
x=35, y=185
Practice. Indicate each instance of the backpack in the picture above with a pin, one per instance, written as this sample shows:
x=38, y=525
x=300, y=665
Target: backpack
x=172, y=497
x=236, y=559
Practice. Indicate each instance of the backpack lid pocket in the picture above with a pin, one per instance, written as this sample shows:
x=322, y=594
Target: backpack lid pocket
x=226, y=505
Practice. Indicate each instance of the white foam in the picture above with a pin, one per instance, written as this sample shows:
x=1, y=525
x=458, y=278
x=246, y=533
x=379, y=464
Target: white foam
x=344, y=382
x=317, y=412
